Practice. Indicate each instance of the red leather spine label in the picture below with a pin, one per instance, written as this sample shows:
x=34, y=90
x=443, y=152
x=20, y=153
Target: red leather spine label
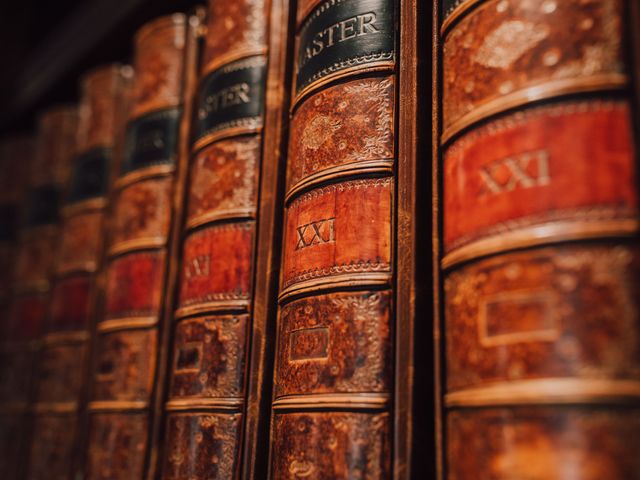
x=339, y=229
x=70, y=303
x=134, y=285
x=566, y=162
x=216, y=264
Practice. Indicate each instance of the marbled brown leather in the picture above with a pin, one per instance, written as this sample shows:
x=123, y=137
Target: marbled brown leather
x=215, y=453
x=561, y=162
x=323, y=445
x=209, y=357
x=142, y=211
x=224, y=180
x=339, y=129
x=158, y=63
x=126, y=365
x=120, y=440
x=335, y=343
x=544, y=443
x=51, y=446
x=35, y=258
x=504, y=47
x=98, y=109
x=70, y=304
x=354, y=231
x=60, y=374
x=56, y=146
x=134, y=283
x=216, y=264
x=27, y=316
x=81, y=242
x=556, y=312
x=234, y=30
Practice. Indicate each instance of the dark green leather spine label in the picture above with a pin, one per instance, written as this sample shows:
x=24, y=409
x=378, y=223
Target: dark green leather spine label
x=90, y=175
x=343, y=34
x=152, y=139
x=43, y=207
x=232, y=97
x=448, y=6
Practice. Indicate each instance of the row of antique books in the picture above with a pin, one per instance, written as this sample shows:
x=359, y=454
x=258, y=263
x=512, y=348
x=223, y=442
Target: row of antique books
x=332, y=239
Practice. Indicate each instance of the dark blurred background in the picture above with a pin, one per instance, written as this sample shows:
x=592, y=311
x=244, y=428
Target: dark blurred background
x=45, y=46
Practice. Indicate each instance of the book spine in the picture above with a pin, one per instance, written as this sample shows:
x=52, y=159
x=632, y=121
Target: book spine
x=141, y=209
x=213, y=310
x=32, y=285
x=64, y=356
x=539, y=241
x=333, y=380
x=16, y=158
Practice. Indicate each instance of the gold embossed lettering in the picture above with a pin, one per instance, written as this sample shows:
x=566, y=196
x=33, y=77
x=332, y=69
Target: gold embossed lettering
x=197, y=267
x=344, y=30
x=316, y=233
x=227, y=97
x=527, y=170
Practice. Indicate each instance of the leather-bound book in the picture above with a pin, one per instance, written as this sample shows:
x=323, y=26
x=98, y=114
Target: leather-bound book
x=126, y=344
x=33, y=268
x=16, y=156
x=64, y=357
x=333, y=380
x=540, y=255
x=213, y=310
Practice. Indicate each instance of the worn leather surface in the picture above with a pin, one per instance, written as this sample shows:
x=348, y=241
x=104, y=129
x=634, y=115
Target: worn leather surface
x=544, y=443
x=503, y=47
x=335, y=343
x=120, y=440
x=126, y=365
x=202, y=445
x=209, y=357
x=321, y=445
x=555, y=312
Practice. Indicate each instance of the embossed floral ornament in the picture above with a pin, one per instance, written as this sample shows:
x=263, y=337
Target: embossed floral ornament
x=319, y=131
x=507, y=43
